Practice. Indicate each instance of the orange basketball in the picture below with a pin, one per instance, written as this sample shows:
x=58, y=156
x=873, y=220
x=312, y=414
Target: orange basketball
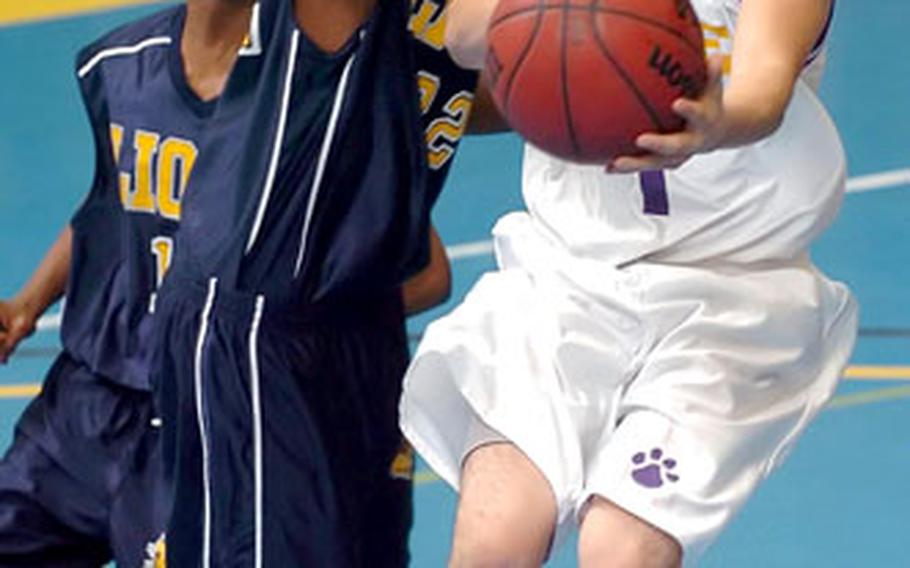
x=582, y=79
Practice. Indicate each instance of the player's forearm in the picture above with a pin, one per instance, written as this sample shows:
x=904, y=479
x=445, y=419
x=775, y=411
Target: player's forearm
x=432, y=285
x=466, y=31
x=48, y=282
x=754, y=108
x=773, y=40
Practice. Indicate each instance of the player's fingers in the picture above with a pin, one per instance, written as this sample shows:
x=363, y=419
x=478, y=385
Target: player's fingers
x=668, y=145
x=691, y=111
x=5, y=347
x=631, y=164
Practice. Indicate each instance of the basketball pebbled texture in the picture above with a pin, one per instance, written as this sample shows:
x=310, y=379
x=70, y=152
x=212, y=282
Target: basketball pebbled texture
x=582, y=79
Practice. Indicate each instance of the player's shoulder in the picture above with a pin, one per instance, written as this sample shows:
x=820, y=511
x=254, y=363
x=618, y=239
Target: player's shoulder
x=130, y=38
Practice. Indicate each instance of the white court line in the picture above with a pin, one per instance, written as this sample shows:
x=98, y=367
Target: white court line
x=880, y=180
x=50, y=322
x=470, y=250
x=870, y=182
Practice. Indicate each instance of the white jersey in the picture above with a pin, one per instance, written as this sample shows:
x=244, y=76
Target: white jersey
x=764, y=201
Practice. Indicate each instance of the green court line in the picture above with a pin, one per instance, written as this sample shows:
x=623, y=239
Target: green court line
x=868, y=397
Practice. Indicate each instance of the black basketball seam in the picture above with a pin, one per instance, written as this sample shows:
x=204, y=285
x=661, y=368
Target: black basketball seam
x=656, y=24
x=521, y=58
x=564, y=74
x=612, y=11
x=655, y=120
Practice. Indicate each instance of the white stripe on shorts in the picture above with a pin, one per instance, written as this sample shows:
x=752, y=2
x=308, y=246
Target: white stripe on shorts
x=200, y=418
x=257, y=431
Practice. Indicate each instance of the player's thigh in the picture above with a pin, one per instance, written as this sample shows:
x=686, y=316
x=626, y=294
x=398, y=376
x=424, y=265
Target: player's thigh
x=506, y=509
x=612, y=536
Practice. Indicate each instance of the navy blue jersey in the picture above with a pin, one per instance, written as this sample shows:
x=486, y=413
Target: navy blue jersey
x=319, y=169
x=146, y=124
x=307, y=208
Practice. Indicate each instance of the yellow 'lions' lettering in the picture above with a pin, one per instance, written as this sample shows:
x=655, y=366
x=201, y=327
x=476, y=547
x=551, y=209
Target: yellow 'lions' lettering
x=141, y=198
x=155, y=186
x=162, y=250
x=116, y=141
x=175, y=154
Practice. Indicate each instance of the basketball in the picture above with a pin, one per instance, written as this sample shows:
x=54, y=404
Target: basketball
x=581, y=79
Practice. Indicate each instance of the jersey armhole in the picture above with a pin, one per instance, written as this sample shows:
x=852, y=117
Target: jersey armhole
x=94, y=100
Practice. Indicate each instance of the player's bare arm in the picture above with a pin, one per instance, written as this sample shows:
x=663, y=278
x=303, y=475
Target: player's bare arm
x=432, y=285
x=466, y=31
x=19, y=315
x=773, y=39
x=485, y=117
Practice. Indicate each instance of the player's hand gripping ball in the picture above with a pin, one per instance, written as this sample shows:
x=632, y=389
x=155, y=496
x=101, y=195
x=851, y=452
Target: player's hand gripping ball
x=581, y=79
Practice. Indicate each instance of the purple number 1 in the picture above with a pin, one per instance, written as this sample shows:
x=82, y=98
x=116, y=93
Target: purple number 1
x=654, y=191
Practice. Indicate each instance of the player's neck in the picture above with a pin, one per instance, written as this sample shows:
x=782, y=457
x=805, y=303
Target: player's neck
x=212, y=34
x=330, y=23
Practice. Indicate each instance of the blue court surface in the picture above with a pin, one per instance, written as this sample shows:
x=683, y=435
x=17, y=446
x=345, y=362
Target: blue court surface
x=842, y=500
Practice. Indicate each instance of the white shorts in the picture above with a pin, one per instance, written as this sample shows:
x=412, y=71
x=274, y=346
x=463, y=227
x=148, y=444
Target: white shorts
x=672, y=391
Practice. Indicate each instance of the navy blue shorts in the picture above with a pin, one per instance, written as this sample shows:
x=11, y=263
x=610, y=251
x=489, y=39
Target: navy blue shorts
x=82, y=482
x=281, y=432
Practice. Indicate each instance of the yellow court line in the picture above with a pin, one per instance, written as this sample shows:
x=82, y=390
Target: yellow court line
x=425, y=476
x=877, y=373
x=19, y=391
x=841, y=401
x=20, y=11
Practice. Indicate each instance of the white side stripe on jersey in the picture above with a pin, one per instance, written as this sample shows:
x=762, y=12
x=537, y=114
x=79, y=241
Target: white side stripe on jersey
x=124, y=50
x=323, y=157
x=255, y=43
x=276, y=147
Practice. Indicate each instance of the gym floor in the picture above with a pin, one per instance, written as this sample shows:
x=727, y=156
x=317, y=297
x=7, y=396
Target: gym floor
x=840, y=501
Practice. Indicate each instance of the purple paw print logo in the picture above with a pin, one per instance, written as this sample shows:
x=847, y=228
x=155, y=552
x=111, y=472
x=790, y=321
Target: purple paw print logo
x=653, y=469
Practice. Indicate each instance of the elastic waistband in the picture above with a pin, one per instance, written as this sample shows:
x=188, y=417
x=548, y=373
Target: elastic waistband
x=228, y=303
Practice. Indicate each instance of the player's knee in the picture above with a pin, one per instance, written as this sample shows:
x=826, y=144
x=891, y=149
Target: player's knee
x=611, y=536
x=493, y=552
x=634, y=551
x=489, y=540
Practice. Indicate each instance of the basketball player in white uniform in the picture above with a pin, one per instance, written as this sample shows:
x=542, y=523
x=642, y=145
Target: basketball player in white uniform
x=653, y=343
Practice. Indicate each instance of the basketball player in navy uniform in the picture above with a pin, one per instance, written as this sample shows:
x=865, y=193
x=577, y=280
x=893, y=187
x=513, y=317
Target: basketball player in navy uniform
x=279, y=339
x=82, y=483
